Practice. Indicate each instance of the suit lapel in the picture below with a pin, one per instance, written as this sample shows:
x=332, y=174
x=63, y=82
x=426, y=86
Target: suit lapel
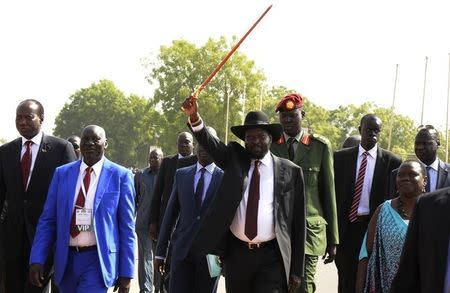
x=188, y=184
x=103, y=182
x=44, y=147
x=300, y=153
x=377, y=172
x=278, y=182
x=15, y=156
x=442, y=174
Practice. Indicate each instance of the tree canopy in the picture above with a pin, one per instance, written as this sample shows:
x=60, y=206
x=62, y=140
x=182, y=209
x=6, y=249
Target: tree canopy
x=133, y=123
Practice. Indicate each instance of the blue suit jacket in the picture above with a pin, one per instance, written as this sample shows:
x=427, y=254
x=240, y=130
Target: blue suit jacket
x=181, y=206
x=113, y=221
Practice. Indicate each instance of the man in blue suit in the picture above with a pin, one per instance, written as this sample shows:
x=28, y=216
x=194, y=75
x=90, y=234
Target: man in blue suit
x=88, y=219
x=193, y=189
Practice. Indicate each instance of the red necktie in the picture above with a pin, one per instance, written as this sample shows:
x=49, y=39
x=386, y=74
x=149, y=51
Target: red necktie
x=79, y=204
x=251, y=215
x=26, y=164
x=353, y=215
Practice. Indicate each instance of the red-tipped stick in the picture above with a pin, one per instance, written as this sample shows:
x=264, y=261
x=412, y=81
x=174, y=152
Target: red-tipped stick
x=224, y=60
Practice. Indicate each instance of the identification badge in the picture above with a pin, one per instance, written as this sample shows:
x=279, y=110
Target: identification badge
x=83, y=219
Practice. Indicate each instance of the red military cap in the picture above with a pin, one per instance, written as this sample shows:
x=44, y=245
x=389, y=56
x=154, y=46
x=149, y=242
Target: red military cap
x=290, y=102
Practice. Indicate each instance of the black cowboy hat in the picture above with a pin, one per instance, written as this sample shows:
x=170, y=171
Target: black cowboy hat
x=258, y=119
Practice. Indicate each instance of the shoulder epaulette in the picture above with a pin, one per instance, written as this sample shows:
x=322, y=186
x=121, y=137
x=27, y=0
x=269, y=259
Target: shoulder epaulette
x=306, y=139
x=320, y=138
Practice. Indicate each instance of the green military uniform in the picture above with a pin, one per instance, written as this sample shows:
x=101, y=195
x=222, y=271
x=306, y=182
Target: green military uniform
x=314, y=155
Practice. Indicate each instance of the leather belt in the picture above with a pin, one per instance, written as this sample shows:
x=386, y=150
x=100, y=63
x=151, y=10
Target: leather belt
x=252, y=246
x=83, y=248
x=363, y=218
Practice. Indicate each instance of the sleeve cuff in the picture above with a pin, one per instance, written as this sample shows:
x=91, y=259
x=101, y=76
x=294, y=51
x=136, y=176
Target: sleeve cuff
x=197, y=125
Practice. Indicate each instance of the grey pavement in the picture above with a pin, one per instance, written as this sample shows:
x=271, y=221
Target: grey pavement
x=326, y=280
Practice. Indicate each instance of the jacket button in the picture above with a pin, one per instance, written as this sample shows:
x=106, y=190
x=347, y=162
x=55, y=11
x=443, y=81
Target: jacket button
x=25, y=202
x=198, y=217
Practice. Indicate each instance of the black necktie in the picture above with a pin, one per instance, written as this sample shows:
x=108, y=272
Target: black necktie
x=427, y=187
x=291, y=152
x=199, y=189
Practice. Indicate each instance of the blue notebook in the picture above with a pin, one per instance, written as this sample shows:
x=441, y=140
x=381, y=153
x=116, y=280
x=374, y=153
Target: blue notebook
x=214, y=265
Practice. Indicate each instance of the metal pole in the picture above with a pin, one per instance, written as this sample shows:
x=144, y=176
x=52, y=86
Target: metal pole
x=391, y=121
x=424, y=88
x=227, y=116
x=261, y=99
x=446, y=116
x=244, y=100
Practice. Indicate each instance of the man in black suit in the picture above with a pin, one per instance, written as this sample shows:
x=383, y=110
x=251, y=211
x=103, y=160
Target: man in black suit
x=425, y=261
x=164, y=182
x=163, y=188
x=256, y=221
x=26, y=169
x=362, y=183
x=426, y=145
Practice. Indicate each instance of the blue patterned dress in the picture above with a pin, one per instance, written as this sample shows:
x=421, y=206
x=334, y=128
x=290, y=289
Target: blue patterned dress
x=387, y=248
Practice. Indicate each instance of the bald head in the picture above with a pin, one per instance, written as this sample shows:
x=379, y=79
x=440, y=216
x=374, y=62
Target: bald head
x=29, y=118
x=369, y=129
x=185, y=144
x=93, y=144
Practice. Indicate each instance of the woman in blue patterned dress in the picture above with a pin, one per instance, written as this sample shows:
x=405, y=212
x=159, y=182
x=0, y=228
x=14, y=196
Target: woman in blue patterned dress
x=382, y=246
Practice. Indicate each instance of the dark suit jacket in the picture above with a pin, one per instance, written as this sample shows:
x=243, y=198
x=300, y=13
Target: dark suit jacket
x=182, y=206
x=424, y=258
x=163, y=185
x=442, y=181
x=19, y=208
x=289, y=203
x=344, y=177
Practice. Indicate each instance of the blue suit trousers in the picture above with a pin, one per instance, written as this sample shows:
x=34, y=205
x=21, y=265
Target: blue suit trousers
x=83, y=273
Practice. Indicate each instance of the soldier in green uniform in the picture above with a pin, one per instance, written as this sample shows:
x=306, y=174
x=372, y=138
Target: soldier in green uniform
x=313, y=153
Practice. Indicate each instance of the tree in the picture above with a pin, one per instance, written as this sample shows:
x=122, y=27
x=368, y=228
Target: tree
x=131, y=123
x=182, y=67
x=3, y=141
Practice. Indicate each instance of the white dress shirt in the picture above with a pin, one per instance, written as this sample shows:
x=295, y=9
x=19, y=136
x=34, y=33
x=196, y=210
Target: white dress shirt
x=34, y=151
x=206, y=177
x=433, y=172
x=266, y=224
x=87, y=238
x=364, y=203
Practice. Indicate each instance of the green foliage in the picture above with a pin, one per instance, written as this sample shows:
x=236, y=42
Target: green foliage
x=3, y=141
x=131, y=123
x=134, y=123
x=182, y=67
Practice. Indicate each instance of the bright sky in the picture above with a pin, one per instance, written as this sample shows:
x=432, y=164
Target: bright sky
x=334, y=52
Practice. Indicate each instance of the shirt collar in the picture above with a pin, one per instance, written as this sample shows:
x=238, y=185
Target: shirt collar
x=297, y=137
x=435, y=164
x=209, y=168
x=36, y=139
x=180, y=156
x=266, y=160
x=97, y=167
x=372, y=152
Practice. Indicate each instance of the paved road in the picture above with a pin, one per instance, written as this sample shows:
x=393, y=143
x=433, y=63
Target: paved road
x=326, y=280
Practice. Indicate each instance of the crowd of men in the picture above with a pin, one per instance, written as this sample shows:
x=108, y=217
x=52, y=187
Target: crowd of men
x=264, y=211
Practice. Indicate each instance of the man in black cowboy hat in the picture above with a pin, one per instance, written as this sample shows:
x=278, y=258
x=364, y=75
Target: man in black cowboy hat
x=256, y=221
